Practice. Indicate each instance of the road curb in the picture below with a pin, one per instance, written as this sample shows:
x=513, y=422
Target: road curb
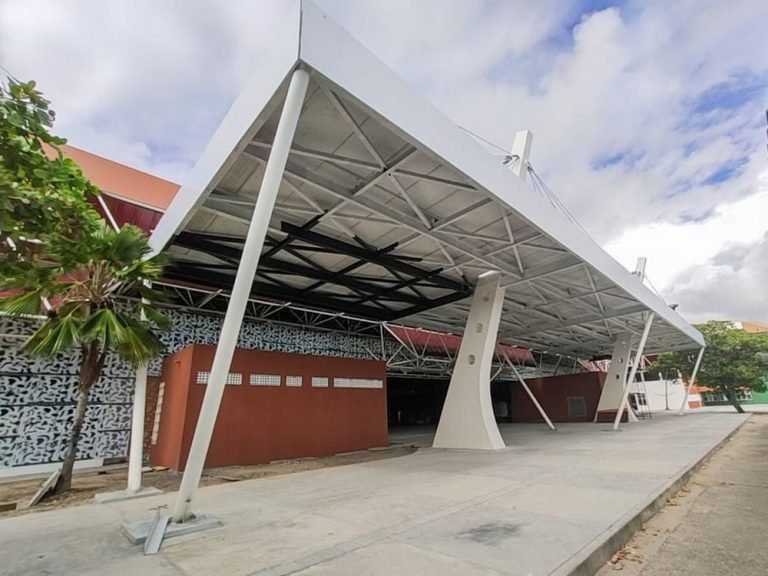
x=594, y=556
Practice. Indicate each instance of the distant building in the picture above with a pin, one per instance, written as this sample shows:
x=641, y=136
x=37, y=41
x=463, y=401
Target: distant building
x=752, y=326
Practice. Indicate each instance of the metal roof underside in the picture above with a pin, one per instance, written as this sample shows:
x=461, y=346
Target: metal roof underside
x=375, y=220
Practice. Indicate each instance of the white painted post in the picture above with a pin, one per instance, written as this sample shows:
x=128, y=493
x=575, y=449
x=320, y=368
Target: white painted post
x=633, y=371
x=241, y=290
x=528, y=391
x=136, y=452
x=691, y=381
x=521, y=148
x=135, y=455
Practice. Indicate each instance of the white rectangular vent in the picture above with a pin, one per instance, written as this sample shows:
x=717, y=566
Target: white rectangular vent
x=265, y=380
x=357, y=383
x=232, y=378
x=319, y=382
x=294, y=381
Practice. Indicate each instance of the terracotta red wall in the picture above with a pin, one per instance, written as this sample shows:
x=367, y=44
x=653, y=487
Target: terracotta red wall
x=553, y=392
x=176, y=376
x=262, y=423
x=153, y=389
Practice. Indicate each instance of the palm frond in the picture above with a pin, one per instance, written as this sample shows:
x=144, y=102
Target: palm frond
x=24, y=304
x=55, y=336
x=106, y=327
x=151, y=294
x=154, y=316
x=127, y=246
x=140, y=344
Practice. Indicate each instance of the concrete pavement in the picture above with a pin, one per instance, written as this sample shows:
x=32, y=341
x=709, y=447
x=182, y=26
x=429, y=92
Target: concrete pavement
x=540, y=506
x=717, y=525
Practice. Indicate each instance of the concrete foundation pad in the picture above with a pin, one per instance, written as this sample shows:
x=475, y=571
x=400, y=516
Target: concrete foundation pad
x=120, y=495
x=136, y=531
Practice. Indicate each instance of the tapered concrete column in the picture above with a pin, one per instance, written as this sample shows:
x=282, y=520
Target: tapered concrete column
x=467, y=419
x=615, y=380
x=241, y=290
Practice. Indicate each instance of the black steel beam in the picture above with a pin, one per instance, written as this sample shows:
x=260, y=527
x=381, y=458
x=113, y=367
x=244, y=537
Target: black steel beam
x=384, y=260
x=428, y=305
x=210, y=279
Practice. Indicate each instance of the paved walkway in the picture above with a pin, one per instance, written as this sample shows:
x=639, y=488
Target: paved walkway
x=718, y=524
x=531, y=509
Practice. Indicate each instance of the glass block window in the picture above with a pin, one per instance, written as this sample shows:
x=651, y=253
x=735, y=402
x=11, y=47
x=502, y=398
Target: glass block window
x=358, y=383
x=265, y=380
x=294, y=381
x=319, y=382
x=232, y=378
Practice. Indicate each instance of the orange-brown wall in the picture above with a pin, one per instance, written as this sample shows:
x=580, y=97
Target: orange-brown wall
x=262, y=423
x=553, y=392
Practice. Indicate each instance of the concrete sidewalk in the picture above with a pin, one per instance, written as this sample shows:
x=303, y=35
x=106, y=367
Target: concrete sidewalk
x=717, y=524
x=538, y=507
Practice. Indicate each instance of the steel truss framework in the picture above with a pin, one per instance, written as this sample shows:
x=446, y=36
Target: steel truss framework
x=554, y=300
x=403, y=356
x=388, y=211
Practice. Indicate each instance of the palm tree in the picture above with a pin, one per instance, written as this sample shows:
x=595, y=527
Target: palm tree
x=84, y=288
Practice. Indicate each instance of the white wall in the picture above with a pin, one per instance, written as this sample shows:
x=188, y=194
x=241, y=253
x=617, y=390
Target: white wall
x=664, y=394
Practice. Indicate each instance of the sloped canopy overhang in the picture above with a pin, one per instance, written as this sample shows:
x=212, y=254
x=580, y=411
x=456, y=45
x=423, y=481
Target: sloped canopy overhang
x=388, y=210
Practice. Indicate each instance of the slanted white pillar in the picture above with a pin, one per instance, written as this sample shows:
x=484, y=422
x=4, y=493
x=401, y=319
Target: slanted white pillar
x=530, y=393
x=241, y=290
x=136, y=453
x=521, y=149
x=633, y=371
x=615, y=379
x=467, y=420
x=691, y=382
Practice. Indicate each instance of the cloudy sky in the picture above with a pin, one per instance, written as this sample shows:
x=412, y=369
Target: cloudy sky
x=648, y=116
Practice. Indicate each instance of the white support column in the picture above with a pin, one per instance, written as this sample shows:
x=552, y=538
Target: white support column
x=241, y=290
x=467, y=420
x=691, y=382
x=615, y=379
x=635, y=364
x=528, y=391
x=136, y=453
x=521, y=149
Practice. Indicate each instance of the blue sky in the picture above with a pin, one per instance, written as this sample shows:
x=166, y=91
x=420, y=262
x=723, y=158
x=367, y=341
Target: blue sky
x=648, y=116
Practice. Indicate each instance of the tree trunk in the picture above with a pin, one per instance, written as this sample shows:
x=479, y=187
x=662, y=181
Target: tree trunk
x=91, y=364
x=731, y=396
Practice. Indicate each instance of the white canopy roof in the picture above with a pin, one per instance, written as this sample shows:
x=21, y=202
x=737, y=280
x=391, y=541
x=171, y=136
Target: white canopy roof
x=390, y=211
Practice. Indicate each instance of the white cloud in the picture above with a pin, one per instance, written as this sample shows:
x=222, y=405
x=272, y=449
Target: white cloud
x=633, y=108
x=673, y=247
